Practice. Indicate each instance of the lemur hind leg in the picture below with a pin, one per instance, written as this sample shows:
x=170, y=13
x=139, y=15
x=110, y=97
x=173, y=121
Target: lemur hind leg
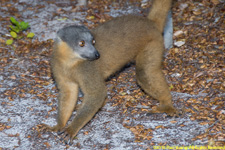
x=150, y=76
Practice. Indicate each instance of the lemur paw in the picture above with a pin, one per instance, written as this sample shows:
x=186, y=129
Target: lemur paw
x=168, y=109
x=45, y=127
x=67, y=135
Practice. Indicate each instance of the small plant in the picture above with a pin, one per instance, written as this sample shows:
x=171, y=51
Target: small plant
x=17, y=28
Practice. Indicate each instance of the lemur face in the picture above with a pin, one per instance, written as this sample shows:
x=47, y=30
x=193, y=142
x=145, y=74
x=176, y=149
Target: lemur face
x=80, y=40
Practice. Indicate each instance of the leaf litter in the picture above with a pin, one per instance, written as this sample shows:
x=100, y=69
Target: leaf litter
x=194, y=70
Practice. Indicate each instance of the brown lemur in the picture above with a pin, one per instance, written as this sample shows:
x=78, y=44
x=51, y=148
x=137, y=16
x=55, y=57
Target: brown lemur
x=85, y=59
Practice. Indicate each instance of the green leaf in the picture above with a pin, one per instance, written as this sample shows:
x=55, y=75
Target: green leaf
x=13, y=34
x=122, y=93
x=20, y=37
x=171, y=87
x=61, y=19
x=30, y=35
x=13, y=20
x=24, y=25
x=91, y=17
x=14, y=28
x=9, y=42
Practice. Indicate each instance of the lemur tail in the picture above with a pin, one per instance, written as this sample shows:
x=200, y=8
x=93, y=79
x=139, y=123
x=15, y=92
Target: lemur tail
x=159, y=11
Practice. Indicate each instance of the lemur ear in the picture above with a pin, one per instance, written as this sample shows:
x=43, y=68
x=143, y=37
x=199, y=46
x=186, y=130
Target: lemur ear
x=60, y=34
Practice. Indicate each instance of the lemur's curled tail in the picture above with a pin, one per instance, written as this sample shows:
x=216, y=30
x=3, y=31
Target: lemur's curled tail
x=158, y=12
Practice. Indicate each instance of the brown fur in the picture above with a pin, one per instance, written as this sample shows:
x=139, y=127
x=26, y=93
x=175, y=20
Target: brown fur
x=119, y=41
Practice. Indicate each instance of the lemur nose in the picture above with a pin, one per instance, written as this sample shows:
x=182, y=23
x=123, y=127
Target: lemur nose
x=97, y=55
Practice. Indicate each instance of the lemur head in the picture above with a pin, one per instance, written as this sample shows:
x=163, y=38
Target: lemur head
x=80, y=40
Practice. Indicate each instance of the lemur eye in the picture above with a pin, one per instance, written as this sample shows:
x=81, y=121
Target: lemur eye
x=82, y=43
x=93, y=42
